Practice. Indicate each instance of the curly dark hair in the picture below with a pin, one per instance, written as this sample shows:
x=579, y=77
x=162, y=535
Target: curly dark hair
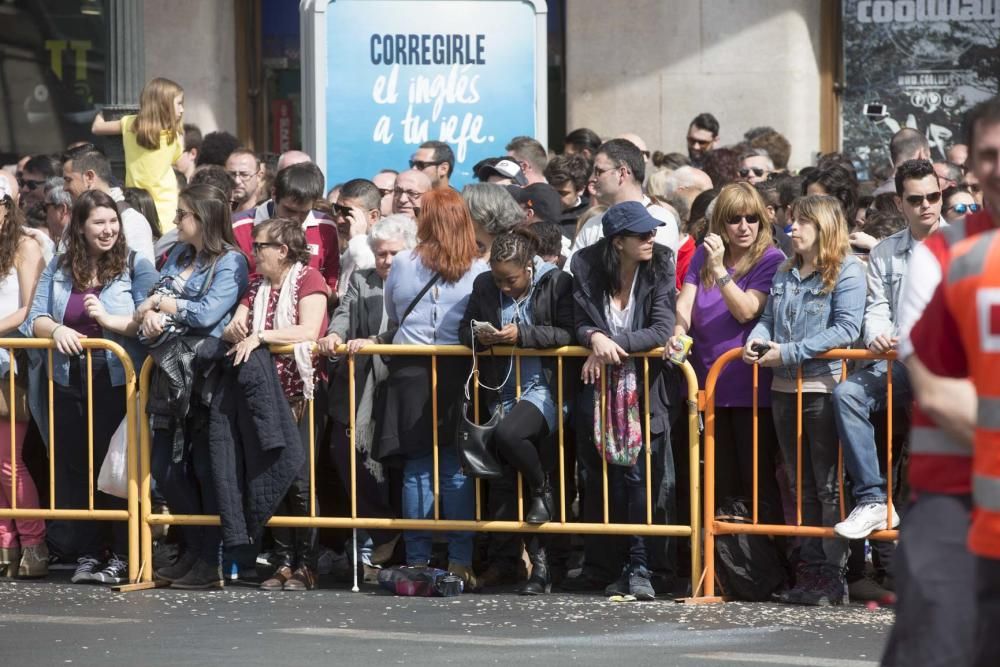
x=10, y=233
x=288, y=233
x=77, y=259
x=519, y=245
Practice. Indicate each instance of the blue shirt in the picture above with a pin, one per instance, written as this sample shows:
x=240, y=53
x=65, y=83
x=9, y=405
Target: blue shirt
x=806, y=321
x=436, y=318
x=208, y=313
x=120, y=297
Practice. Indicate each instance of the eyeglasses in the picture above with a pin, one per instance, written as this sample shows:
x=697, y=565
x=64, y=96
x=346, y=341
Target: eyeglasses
x=413, y=195
x=917, y=200
x=30, y=183
x=757, y=171
x=962, y=209
x=257, y=247
x=181, y=214
x=973, y=187
x=420, y=165
x=737, y=219
x=242, y=175
x=642, y=236
x=385, y=191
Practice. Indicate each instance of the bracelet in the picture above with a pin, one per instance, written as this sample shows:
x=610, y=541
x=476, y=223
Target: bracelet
x=723, y=280
x=159, y=300
x=260, y=337
x=58, y=327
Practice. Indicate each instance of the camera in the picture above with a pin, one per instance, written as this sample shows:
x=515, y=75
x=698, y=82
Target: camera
x=875, y=110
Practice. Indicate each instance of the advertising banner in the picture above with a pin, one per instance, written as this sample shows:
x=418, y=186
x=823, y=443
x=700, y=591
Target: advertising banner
x=926, y=61
x=401, y=72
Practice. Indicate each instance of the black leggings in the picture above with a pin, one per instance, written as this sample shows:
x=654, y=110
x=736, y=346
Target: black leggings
x=522, y=441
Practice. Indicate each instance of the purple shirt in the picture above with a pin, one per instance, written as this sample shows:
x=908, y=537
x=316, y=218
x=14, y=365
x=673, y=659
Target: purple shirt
x=715, y=331
x=76, y=316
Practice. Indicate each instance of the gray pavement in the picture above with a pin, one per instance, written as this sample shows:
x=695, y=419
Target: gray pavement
x=53, y=622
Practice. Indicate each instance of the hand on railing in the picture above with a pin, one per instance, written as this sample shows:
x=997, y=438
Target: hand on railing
x=883, y=344
x=68, y=340
x=767, y=354
x=327, y=345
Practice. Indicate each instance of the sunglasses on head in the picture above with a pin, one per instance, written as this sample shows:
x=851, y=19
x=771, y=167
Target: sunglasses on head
x=962, y=209
x=737, y=219
x=757, y=171
x=917, y=200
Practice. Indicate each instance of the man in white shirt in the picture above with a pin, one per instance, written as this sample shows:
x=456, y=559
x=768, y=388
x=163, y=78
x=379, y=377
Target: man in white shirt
x=619, y=170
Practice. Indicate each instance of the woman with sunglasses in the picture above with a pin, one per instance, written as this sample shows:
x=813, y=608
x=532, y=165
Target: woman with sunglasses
x=200, y=285
x=816, y=304
x=724, y=294
x=285, y=305
x=958, y=202
x=623, y=293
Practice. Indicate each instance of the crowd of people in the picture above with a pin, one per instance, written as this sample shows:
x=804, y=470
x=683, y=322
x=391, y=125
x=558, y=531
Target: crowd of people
x=211, y=252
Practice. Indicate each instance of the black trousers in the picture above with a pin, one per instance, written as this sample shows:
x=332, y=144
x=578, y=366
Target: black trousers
x=85, y=538
x=188, y=484
x=734, y=472
x=987, y=645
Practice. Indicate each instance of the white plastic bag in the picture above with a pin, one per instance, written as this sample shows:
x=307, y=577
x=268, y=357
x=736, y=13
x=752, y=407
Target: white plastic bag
x=113, y=478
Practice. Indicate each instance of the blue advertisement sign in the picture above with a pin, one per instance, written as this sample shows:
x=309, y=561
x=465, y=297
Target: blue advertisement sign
x=402, y=72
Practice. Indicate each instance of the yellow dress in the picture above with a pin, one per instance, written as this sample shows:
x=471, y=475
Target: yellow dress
x=152, y=170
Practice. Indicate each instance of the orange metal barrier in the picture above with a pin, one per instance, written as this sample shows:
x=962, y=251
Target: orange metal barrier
x=714, y=527
x=691, y=530
x=131, y=514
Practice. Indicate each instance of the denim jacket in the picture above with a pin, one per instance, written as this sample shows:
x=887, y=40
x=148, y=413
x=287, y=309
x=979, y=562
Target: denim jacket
x=208, y=314
x=805, y=321
x=120, y=297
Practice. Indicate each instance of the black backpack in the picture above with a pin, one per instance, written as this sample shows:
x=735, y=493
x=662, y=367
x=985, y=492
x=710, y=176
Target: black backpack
x=750, y=567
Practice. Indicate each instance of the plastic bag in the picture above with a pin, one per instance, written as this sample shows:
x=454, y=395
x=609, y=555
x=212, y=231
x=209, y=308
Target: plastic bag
x=113, y=478
x=420, y=581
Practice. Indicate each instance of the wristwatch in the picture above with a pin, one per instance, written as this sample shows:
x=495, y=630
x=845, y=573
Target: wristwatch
x=723, y=281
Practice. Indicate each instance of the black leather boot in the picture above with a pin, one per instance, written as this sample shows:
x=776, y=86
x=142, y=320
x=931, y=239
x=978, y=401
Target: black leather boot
x=540, y=508
x=540, y=581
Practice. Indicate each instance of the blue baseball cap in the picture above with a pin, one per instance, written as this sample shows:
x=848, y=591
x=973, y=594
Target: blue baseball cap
x=629, y=216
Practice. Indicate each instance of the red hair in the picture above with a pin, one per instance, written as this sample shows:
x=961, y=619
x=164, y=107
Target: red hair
x=446, y=234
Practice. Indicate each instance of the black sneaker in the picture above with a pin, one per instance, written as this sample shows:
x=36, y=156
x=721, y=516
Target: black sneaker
x=86, y=569
x=620, y=586
x=202, y=576
x=828, y=590
x=114, y=572
x=639, y=585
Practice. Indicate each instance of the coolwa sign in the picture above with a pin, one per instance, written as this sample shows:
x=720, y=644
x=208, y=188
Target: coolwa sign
x=927, y=61
x=392, y=74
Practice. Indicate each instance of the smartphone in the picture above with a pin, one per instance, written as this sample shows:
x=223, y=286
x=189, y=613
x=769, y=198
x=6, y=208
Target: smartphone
x=875, y=110
x=483, y=327
x=760, y=348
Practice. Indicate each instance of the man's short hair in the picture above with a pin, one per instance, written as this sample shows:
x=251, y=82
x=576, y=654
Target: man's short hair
x=216, y=147
x=905, y=144
x=442, y=154
x=777, y=146
x=988, y=112
x=529, y=150
x=755, y=132
x=758, y=152
x=583, y=139
x=623, y=151
x=669, y=160
x=913, y=170
x=706, y=121
x=394, y=172
x=363, y=189
x=45, y=165
x=214, y=174
x=573, y=169
x=953, y=171
x=789, y=189
x=92, y=161
x=192, y=137
x=302, y=182
x=243, y=150
x=881, y=224
x=56, y=193
x=549, y=238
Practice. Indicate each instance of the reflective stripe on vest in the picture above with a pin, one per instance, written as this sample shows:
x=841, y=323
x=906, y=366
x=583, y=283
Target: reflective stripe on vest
x=988, y=413
x=930, y=440
x=972, y=262
x=986, y=492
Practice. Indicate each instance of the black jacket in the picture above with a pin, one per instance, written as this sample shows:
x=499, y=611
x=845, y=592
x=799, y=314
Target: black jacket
x=255, y=447
x=551, y=314
x=652, y=324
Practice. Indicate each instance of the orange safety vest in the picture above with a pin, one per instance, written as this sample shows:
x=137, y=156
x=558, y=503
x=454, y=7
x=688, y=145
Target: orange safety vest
x=938, y=463
x=972, y=291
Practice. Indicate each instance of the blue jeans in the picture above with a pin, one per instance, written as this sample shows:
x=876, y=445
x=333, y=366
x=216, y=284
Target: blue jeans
x=820, y=487
x=458, y=495
x=863, y=393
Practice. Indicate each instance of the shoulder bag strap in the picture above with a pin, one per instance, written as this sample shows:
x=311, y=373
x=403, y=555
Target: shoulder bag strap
x=420, y=295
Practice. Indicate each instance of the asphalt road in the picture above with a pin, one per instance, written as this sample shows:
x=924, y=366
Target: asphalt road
x=53, y=622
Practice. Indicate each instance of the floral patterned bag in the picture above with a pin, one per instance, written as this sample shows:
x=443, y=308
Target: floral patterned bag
x=620, y=439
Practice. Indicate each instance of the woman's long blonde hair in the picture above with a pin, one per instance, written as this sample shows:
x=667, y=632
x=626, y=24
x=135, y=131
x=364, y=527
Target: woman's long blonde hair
x=156, y=114
x=734, y=200
x=827, y=214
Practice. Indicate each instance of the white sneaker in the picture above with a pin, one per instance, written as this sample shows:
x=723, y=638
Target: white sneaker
x=86, y=569
x=864, y=519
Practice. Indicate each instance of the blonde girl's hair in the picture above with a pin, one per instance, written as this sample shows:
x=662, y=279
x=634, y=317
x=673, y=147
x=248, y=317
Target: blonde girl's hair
x=156, y=114
x=734, y=200
x=827, y=214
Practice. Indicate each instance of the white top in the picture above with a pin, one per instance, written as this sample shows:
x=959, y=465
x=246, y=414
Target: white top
x=138, y=234
x=620, y=319
x=10, y=300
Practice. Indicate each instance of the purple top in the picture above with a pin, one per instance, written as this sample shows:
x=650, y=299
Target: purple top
x=715, y=331
x=76, y=316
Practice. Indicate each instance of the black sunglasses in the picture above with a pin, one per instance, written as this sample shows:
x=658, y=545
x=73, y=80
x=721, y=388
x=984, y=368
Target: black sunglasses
x=917, y=200
x=737, y=219
x=757, y=171
x=340, y=209
x=420, y=165
x=30, y=183
x=257, y=247
x=642, y=236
